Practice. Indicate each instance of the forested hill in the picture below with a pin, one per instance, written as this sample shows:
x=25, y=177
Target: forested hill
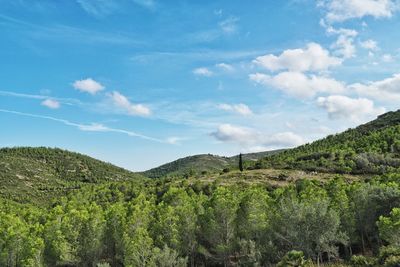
x=204, y=163
x=30, y=174
x=373, y=147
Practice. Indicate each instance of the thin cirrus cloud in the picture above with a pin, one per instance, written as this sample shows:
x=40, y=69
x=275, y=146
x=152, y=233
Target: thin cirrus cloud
x=355, y=109
x=88, y=86
x=342, y=10
x=93, y=127
x=122, y=102
x=249, y=137
x=51, y=103
x=241, y=109
x=312, y=58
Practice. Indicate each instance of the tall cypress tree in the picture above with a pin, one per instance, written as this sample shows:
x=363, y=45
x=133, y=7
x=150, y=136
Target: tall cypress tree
x=240, y=162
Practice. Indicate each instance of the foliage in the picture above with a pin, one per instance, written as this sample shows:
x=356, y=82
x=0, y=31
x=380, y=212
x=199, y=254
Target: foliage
x=370, y=148
x=164, y=223
x=35, y=175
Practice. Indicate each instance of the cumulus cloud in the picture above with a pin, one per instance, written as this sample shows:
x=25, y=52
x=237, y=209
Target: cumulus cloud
x=344, y=45
x=341, y=10
x=51, y=103
x=241, y=109
x=252, y=138
x=386, y=89
x=122, y=102
x=354, y=109
x=311, y=58
x=298, y=84
x=203, y=72
x=88, y=85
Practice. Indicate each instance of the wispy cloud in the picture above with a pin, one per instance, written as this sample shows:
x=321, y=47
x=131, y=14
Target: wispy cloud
x=68, y=33
x=122, y=102
x=93, y=127
x=65, y=101
x=98, y=8
x=150, y=4
x=241, y=109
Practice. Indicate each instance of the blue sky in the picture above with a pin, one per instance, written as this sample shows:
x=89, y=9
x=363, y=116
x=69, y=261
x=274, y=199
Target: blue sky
x=142, y=82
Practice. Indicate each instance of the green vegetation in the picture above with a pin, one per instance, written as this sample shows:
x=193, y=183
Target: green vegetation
x=335, y=202
x=172, y=223
x=372, y=148
x=201, y=165
x=38, y=174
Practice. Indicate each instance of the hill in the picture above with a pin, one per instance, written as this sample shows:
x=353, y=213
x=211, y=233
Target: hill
x=202, y=164
x=373, y=148
x=36, y=174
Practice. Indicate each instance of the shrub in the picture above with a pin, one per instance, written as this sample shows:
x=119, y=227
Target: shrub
x=361, y=261
x=293, y=258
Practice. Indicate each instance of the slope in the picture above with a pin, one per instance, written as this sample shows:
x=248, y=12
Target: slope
x=204, y=163
x=37, y=174
x=372, y=148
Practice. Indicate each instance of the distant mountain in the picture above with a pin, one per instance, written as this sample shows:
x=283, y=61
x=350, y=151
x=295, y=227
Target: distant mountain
x=204, y=163
x=373, y=147
x=30, y=174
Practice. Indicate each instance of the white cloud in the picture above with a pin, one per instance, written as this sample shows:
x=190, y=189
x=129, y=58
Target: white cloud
x=251, y=138
x=225, y=67
x=203, y=72
x=370, y=45
x=354, y=109
x=229, y=26
x=298, y=84
x=341, y=10
x=241, y=109
x=93, y=127
x=88, y=85
x=344, y=45
x=387, y=58
x=311, y=58
x=122, y=102
x=387, y=89
x=173, y=140
x=51, y=103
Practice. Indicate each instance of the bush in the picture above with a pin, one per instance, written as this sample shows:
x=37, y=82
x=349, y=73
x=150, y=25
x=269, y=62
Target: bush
x=392, y=261
x=293, y=258
x=388, y=256
x=361, y=261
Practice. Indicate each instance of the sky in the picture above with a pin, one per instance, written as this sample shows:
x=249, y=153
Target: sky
x=139, y=83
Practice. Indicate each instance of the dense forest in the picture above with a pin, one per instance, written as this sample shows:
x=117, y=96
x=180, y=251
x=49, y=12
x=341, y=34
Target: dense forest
x=174, y=223
x=334, y=202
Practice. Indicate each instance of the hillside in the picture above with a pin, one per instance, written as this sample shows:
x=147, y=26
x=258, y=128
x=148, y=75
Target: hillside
x=36, y=174
x=202, y=164
x=373, y=148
